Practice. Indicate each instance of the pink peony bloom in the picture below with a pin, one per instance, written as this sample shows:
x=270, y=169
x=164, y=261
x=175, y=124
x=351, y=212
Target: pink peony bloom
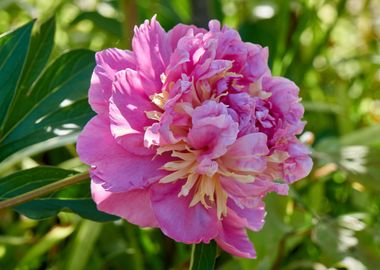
x=191, y=132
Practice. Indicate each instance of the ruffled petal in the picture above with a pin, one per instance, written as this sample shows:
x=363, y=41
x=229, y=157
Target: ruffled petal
x=152, y=52
x=247, y=153
x=213, y=129
x=124, y=204
x=299, y=164
x=233, y=237
x=120, y=170
x=108, y=62
x=253, y=213
x=179, y=221
x=128, y=107
x=179, y=31
x=256, y=63
x=258, y=188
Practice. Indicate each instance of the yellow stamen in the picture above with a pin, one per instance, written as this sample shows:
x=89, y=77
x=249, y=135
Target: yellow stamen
x=221, y=200
x=153, y=115
x=191, y=180
x=181, y=146
x=207, y=190
x=159, y=99
x=179, y=174
x=255, y=89
x=242, y=178
x=176, y=165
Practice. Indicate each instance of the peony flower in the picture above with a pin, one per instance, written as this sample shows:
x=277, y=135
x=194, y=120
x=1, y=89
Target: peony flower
x=191, y=132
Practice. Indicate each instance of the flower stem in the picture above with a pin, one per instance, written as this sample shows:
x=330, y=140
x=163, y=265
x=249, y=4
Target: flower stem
x=44, y=190
x=203, y=256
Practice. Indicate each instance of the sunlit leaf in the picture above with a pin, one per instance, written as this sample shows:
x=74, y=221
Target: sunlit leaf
x=76, y=198
x=48, y=102
x=13, y=51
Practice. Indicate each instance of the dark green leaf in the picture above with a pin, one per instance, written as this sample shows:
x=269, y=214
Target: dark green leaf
x=55, y=106
x=75, y=198
x=13, y=50
x=62, y=122
x=40, y=48
x=44, y=208
x=27, y=180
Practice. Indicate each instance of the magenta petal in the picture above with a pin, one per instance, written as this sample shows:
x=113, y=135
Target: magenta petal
x=124, y=204
x=257, y=62
x=120, y=170
x=108, y=62
x=179, y=31
x=299, y=164
x=258, y=188
x=179, y=221
x=128, y=105
x=152, y=51
x=253, y=215
x=233, y=237
x=248, y=153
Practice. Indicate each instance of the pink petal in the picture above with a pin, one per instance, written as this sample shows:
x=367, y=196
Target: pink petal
x=128, y=105
x=285, y=99
x=150, y=45
x=179, y=221
x=179, y=31
x=213, y=129
x=253, y=215
x=247, y=153
x=257, y=62
x=299, y=164
x=233, y=237
x=258, y=188
x=108, y=62
x=120, y=170
x=124, y=204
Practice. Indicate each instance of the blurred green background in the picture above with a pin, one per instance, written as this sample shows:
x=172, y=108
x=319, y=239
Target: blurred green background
x=331, y=220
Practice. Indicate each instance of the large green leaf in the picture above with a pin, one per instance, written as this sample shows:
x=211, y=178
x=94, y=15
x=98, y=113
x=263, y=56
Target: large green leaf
x=75, y=198
x=47, y=102
x=40, y=49
x=13, y=51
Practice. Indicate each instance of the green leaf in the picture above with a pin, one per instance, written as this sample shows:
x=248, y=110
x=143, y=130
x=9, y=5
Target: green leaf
x=75, y=198
x=27, y=180
x=63, y=122
x=55, y=106
x=48, y=207
x=39, y=104
x=39, y=52
x=64, y=82
x=203, y=256
x=13, y=50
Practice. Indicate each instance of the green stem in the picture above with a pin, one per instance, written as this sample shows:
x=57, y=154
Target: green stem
x=203, y=256
x=44, y=190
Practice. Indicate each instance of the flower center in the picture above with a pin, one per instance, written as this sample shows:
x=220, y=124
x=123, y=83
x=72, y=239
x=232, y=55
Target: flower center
x=207, y=187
